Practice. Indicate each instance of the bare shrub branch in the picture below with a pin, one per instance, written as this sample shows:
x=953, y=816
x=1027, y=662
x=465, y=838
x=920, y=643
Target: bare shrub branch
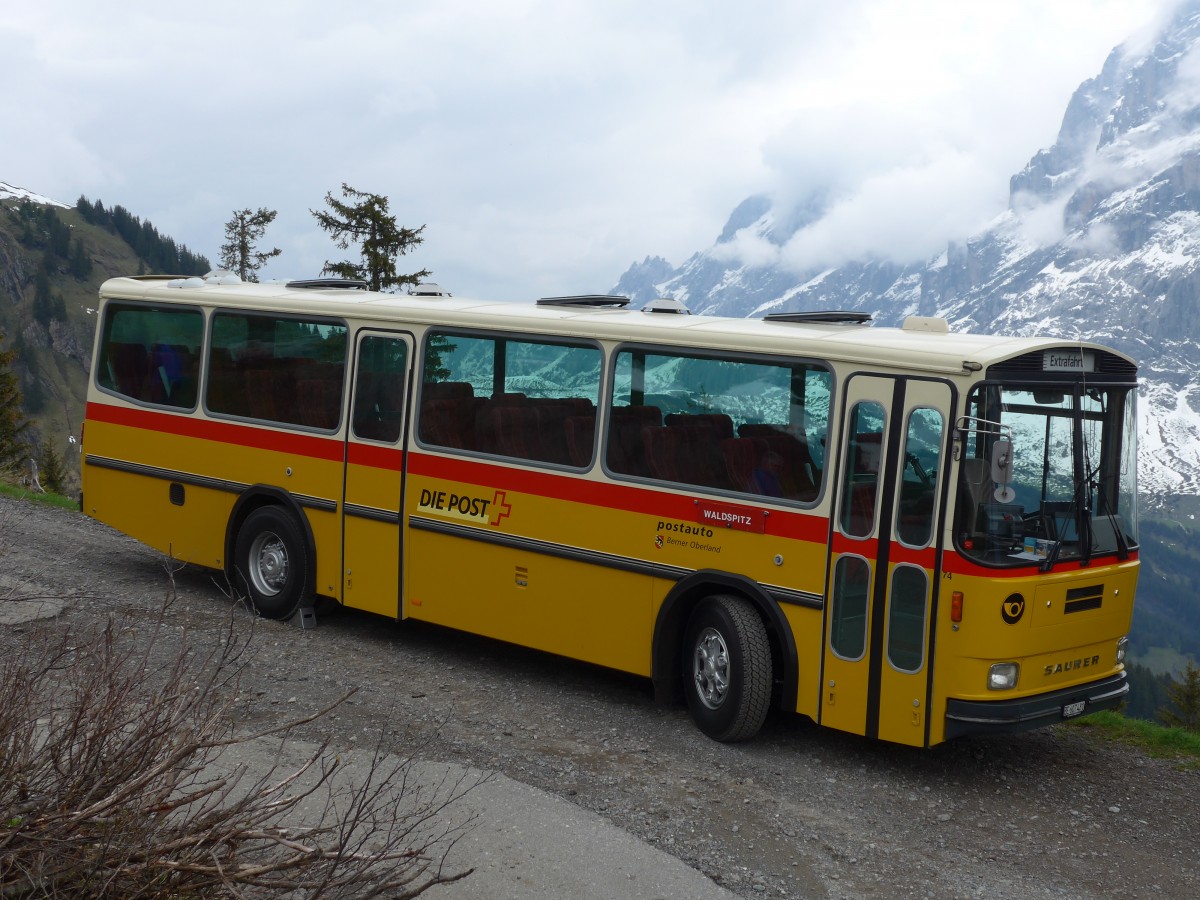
x=124, y=773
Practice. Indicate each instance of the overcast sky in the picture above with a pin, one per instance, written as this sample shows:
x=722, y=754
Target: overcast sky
x=545, y=144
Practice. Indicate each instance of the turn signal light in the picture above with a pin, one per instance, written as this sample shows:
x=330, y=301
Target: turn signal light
x=956, y=606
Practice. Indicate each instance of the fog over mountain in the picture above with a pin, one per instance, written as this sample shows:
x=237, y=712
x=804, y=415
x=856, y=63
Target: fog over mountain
x=1100, y=240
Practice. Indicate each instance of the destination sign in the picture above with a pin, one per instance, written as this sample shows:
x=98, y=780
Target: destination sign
x=1068, y=361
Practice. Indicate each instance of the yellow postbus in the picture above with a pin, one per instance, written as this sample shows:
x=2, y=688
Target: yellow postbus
x=905, y=533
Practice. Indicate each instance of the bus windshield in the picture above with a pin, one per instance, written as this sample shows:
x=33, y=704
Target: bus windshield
x=1069, y=489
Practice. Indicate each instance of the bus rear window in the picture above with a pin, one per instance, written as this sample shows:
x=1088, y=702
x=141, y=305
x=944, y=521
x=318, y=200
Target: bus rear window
x=150, y=354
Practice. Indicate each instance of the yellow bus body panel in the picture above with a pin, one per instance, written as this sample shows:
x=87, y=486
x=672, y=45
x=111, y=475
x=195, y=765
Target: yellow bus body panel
x=1056, y=646
x=372, y=548
x=138, y=503
x=518, y=597
x=551, y=598
x=140, y=506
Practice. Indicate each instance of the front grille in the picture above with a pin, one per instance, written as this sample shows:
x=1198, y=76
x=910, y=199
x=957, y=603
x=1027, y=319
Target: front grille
x=1084, y=598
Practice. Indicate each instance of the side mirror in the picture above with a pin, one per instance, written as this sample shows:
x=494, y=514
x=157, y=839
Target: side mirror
x=1002, y=463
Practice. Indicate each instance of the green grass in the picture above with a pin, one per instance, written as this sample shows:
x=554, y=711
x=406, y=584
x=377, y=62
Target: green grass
x=1156, y=740
x=20, y=493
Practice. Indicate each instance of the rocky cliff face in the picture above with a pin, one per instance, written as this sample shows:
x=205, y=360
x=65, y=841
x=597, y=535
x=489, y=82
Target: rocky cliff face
x=1101, y=239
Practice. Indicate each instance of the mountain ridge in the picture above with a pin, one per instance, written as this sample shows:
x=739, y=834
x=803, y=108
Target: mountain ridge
x=1100, y=239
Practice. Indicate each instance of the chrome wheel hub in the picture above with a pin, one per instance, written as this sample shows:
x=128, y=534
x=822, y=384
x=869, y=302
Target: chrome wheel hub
x=268, y=564
x=711, y=668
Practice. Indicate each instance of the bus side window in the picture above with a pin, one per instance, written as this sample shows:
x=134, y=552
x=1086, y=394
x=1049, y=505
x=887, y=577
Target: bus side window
x=724, y=422
x=283, y=370
x=519, y=399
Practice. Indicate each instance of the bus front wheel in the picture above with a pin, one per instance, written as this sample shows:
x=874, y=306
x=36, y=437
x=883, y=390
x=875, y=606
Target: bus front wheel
x=727, y=668
x=271, y=564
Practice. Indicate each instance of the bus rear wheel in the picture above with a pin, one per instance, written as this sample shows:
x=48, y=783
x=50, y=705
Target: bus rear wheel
x=727, y=668
x=271, y=563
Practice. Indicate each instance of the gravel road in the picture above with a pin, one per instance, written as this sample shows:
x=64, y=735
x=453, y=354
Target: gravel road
x=798, y=812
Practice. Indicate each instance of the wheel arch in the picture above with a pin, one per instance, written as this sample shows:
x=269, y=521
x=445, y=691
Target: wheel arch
x=672, y=620
x=256, y=497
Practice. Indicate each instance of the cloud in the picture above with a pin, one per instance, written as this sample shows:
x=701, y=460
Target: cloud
x=1037, y=222
x=544, y=144
x=913, y=140
x=901, y=214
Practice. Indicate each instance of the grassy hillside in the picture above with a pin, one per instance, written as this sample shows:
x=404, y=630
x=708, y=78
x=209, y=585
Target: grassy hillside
x=52, y=262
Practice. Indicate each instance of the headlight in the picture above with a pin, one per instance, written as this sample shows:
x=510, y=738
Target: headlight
x=1003, y=676
x=1122, y=646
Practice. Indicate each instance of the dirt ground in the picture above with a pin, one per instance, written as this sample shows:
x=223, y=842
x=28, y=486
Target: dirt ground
x=798, y=812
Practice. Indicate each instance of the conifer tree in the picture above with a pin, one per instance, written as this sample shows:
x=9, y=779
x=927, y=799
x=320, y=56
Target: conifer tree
x=43, y=299
x=47, y=305
x=81, y=263
x=1184, y=711
x=59, y=235
x=51, y=471
x=13, y=425
x=242, y=234
x=363, y=219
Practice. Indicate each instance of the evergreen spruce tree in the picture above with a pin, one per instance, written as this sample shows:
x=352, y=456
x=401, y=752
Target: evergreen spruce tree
x=43, y=300
x=242, y=234
x=1184, y=711
x=13, y=425
x=81, y=263
x=59, y=235
x=363, y=219
x=51, y=472
x=27, y=214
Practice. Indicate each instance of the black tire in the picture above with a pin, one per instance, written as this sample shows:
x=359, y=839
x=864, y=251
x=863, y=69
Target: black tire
x=727, y=668
x=272, y=563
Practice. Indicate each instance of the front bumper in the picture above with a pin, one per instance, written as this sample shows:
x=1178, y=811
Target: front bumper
x=965, y=717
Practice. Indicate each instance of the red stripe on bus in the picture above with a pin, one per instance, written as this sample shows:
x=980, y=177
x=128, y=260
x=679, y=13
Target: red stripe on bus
x=910, y=556
x=924, y=557
x=646, y=501
x=389, y=458
x=868, y=547
x=331, y=448
x=955, y=564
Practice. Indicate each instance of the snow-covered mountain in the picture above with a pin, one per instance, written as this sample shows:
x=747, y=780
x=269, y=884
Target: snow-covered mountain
x=8, y=192
x=1101, y=239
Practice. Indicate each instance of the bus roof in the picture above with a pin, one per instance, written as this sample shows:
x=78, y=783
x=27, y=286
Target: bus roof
x=923, y=344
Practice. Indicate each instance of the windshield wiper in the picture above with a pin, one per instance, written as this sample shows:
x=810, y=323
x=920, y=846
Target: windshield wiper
x=1118, y=529
x=1051, y=556
x=1085, y=536
x=1070, y=518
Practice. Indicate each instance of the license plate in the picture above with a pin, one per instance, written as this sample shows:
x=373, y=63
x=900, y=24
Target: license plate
x=1074, y=709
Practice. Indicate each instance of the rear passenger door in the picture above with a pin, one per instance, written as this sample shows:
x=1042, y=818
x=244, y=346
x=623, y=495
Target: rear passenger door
x=374, y=483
